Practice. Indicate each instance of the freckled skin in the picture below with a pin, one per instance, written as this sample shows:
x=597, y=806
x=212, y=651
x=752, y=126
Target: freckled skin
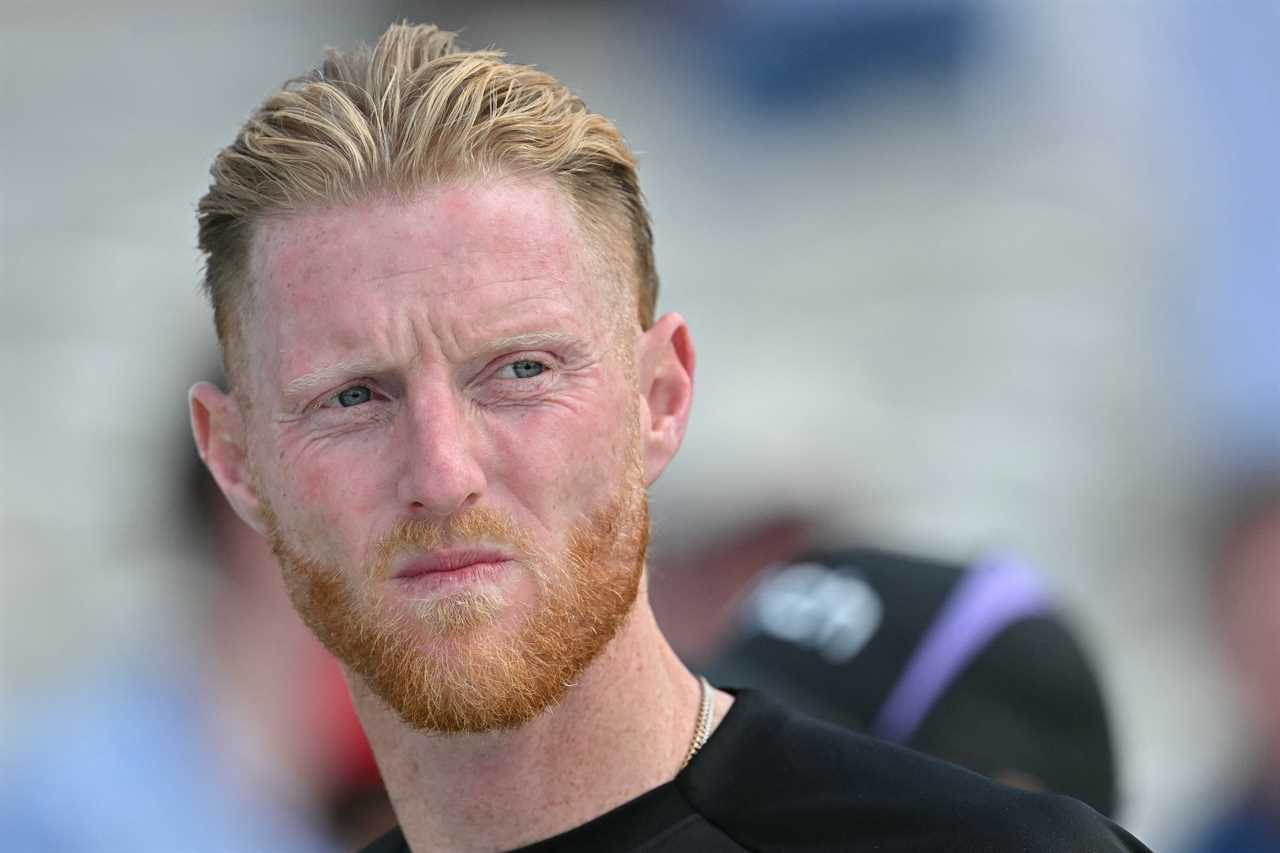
x=421, y=290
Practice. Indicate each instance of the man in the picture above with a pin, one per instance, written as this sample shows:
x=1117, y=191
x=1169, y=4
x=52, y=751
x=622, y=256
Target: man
x=433, y=282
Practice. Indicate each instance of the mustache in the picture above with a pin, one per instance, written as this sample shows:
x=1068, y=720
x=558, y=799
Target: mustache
x=470, y=526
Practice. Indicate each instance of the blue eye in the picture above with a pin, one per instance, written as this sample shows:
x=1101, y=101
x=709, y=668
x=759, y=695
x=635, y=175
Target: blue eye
x=354, y=396
x=527, y=368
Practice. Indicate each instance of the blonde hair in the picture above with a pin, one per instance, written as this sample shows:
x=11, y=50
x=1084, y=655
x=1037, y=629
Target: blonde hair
x=412, y=111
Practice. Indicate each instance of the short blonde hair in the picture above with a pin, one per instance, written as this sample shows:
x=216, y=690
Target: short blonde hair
x=412, y=111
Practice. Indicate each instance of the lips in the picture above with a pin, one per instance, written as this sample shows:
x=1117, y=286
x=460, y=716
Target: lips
x=451, y=560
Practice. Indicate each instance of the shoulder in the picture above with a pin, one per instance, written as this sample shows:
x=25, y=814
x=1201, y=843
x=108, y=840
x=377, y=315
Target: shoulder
x=775, y=780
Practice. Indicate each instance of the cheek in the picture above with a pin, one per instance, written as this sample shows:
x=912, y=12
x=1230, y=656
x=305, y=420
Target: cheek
x=322, y=492
x=327, y=497
x=561, y=462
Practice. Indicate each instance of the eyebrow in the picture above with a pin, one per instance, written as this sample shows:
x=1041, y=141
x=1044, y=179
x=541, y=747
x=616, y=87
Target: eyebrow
x=533, y=340
x=327, y=375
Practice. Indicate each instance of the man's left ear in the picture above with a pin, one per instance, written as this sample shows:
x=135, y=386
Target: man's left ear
x=665, y=361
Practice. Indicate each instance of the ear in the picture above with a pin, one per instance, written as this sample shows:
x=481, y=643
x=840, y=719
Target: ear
x=218, y=425
x=665, y=363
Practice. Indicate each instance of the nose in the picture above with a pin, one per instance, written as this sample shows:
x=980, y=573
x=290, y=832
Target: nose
x=441, y=473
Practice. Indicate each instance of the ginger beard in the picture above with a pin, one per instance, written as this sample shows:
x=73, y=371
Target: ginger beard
x=446, y=665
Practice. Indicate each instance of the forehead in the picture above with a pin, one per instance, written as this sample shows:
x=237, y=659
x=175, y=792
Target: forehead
x=516, y=214
x=481, y=224
x=470, y=255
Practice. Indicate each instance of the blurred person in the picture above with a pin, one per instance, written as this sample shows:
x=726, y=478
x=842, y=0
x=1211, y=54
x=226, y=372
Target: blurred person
x=432, y=278
x=788, y=62
x=972, y=663
x=238, y=737
x=1246, y=595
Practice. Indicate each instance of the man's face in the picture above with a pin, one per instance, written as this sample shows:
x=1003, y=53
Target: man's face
x=445, y=438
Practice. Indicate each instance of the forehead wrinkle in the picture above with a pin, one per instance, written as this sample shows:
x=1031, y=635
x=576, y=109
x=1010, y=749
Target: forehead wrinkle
x=443, y=264
x=525, y=310
x=473, y=286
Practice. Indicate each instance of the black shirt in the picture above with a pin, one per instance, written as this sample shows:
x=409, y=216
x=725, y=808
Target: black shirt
x=772, y=780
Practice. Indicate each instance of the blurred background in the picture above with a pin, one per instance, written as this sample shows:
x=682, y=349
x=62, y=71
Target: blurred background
x=963, y=276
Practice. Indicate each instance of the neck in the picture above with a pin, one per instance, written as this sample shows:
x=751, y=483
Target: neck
x=622, y=729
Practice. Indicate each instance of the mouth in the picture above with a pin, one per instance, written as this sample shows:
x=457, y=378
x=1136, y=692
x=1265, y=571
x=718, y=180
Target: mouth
x=451, y=566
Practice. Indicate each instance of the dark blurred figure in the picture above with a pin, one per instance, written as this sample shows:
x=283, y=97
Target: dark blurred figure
x=1246, y=593
x=971, y=664
x=240, y=737
x=800, y=57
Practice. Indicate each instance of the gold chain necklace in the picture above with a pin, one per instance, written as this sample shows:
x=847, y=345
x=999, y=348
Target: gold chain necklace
x=703, y=730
